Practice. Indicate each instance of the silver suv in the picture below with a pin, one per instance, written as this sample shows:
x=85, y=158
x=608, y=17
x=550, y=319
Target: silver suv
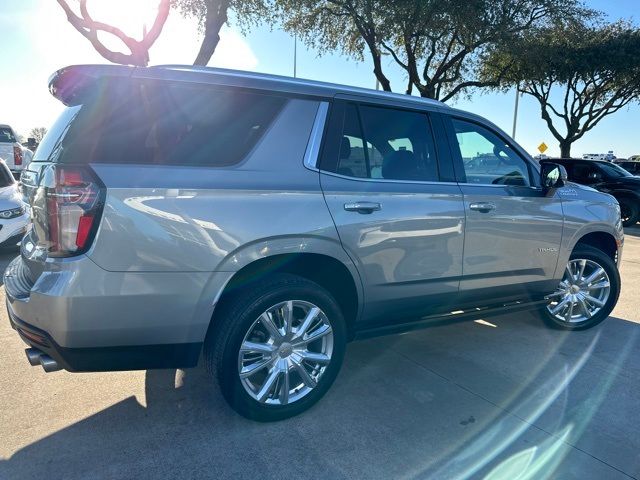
x=265, y=222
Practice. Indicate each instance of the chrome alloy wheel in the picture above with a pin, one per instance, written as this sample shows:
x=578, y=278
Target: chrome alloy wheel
x=285, y=352
x=582, y=293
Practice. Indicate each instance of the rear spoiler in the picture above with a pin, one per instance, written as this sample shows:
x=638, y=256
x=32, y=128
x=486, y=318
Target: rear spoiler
x=70, y=83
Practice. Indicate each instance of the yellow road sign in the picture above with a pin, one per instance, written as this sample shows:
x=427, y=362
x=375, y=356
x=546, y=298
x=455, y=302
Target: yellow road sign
x=543, y=147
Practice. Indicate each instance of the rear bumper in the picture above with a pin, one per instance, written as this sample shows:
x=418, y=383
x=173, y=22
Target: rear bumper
x=133, y=357
x=89, y=319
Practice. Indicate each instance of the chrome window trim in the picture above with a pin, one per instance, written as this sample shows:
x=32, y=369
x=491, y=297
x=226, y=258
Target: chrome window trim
x=386, y=180
x=530, y=187
x=312, y=152
x=418, y=182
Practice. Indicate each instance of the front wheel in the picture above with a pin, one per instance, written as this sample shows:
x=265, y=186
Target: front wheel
x=629, y=212
x=588, y=292
x=277, y=348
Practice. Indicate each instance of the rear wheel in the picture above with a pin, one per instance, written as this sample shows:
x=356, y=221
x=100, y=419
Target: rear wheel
x=629, y=211
x=588, y=291
x=277, y=348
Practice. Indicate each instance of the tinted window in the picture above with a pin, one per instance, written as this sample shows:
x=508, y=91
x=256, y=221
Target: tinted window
x=352, y=160
x=55, y=135
x=6, y=178
x=487, y=159
x=584, y=172
x=6, y=135
x=384, y=143
x=631, y=167
x=613, y=170
x=159, y=123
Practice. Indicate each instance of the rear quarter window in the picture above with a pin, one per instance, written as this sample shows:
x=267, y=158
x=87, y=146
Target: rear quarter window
x=6, y=135
x=165, y=124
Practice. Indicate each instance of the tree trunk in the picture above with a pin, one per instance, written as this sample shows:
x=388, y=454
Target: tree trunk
x=215, y=18
x=377, y=71
x=207, y=47
x=428, y=92
x=565, y=149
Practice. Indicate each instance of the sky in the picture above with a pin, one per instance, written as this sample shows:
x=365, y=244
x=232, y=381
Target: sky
x=37, y=40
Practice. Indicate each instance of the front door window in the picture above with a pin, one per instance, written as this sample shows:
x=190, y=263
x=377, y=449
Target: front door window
x=487, y=159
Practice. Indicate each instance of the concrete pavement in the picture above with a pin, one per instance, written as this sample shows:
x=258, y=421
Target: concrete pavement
x=507, y=398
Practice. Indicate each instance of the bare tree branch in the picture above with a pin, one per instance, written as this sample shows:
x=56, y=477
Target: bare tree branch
x=138, y=49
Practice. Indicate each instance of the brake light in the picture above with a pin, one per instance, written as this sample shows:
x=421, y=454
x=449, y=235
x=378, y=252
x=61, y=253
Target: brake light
x=74, y=203
x=17, y=156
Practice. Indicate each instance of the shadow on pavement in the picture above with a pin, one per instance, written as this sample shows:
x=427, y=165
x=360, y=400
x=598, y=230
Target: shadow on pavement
x=466, y=400
x=632, y=231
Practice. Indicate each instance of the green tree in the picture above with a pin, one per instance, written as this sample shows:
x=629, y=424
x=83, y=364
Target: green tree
x=212, y=15
x=439, y=44
x=579, y=73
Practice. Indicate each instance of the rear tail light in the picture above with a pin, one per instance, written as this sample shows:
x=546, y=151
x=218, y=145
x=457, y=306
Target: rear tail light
x=17, y=156
x=73, y=198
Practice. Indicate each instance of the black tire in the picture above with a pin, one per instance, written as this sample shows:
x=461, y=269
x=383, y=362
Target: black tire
x=236, y=317
x=630, y=212
x=602, y=259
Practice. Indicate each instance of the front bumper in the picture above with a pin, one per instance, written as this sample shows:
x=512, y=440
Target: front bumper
x=12, y=230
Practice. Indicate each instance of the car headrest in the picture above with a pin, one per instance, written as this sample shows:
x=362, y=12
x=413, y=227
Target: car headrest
x=401, y=165
x=345, y=148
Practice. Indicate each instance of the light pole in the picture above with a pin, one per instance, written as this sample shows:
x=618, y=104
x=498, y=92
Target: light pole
x=515, y=112
x=295, y=55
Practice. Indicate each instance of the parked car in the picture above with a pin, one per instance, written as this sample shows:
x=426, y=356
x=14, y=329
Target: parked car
x=631, y=167
x=609, y=178
x=609, y=157
x=10, y=150
x=14, y=216
x=267, y=221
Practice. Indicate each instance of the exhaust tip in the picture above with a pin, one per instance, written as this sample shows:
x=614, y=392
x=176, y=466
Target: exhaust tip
x=33, y=355
x=49, y=364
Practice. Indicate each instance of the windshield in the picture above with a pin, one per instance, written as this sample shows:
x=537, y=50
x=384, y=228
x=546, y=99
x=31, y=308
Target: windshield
x=6, y=135
x=614, y=170
x=6, y=179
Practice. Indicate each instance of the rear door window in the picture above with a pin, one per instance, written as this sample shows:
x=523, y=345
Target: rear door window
x=387, y=144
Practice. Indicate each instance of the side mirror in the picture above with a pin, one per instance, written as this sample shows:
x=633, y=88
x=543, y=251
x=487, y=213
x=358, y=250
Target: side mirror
x=553, y=175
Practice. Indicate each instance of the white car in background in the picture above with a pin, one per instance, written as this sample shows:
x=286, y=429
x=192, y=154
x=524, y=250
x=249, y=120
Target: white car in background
x=14, y=215
x=11, y=151
x=606, y=157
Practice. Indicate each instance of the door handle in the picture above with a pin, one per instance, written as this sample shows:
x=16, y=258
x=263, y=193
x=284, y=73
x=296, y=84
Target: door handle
x=362, y=207
x=482, y=207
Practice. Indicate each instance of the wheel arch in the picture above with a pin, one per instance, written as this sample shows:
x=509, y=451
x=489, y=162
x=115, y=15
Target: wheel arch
x=327, y=271
x=601, y=240
x=626, y=194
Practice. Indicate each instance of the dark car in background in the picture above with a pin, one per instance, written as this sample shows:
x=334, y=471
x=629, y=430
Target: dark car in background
x=630, y=166
x=609, y=178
